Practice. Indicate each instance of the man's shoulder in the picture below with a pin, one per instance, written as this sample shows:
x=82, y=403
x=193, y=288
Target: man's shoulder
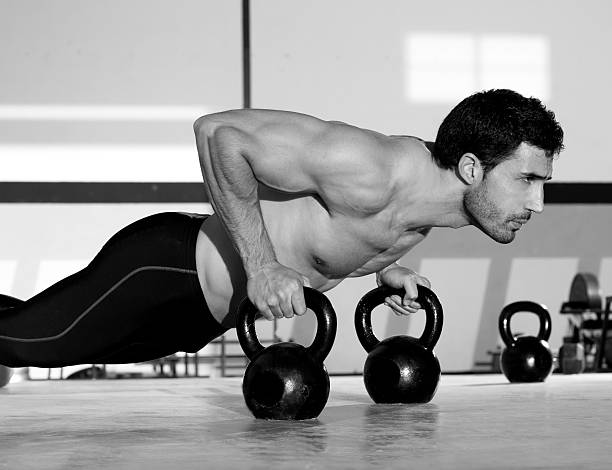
x=359, y=142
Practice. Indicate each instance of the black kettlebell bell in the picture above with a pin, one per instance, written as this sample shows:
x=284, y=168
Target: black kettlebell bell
x=287, y=380
x=400, y=369
x=526, y=358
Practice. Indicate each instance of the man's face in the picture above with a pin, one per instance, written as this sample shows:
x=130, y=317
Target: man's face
x=509, y=193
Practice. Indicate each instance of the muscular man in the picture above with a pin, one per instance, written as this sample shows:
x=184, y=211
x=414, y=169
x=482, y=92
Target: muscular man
x=297, y=201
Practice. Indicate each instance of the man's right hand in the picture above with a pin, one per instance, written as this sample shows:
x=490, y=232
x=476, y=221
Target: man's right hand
x=277, y=291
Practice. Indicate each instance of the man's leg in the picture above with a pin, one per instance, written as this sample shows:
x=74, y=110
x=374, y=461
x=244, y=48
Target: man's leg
x=139, y=299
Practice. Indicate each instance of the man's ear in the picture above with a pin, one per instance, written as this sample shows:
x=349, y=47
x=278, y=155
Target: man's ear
x=469, y=169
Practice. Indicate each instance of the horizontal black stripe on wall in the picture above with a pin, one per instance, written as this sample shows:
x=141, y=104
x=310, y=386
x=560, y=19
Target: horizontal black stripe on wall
x=578, y=193
x=72, y=193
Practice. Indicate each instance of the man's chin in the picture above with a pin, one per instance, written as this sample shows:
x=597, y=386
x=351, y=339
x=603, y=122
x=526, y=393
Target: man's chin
x=502, y=237
x=505, y=241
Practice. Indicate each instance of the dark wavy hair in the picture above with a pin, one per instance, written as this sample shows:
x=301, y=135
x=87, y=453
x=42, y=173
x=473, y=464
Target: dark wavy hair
x=492, y=124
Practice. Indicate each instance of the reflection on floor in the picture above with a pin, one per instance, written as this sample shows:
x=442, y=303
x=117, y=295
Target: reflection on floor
x=474, y=421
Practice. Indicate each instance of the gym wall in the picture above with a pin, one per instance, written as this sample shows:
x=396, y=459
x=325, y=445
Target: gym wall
x=106, y=92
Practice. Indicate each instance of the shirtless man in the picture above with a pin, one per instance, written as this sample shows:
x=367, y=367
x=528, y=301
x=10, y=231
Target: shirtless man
x=297, y=201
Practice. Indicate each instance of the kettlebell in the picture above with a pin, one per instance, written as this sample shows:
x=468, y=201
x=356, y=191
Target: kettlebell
x=526, y=358
x=287, y=380
x=400, y=369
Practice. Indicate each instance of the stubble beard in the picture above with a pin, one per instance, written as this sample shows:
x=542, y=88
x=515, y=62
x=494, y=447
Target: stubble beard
x=484, y=215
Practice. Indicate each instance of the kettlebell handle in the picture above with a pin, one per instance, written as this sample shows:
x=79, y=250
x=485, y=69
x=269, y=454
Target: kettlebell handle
x=523, y=306
x=427, y=299
x=315, y=301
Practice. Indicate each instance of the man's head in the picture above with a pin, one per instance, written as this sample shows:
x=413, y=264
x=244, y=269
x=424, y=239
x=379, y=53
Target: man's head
x=491, y=125
x=501, y=146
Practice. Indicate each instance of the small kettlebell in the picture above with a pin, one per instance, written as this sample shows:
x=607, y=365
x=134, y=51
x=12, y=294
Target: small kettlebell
x=287, y=380
x=526, y=358
x=400, y=369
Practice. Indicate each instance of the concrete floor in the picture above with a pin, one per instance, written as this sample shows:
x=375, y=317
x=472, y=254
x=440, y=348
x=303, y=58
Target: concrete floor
x=474, y=421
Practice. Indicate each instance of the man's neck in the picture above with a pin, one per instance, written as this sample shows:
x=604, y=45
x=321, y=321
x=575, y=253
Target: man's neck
x=431, y=196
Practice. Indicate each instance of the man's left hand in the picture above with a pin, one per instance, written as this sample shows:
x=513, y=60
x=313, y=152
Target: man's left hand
x=399, y=277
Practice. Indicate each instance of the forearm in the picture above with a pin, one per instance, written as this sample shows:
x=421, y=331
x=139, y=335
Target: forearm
x=232, y=190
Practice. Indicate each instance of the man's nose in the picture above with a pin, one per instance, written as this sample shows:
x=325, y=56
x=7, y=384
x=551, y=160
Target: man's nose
x=536, y=201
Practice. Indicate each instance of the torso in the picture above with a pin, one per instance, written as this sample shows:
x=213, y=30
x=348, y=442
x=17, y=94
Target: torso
x=325, y=247
x=352, y=209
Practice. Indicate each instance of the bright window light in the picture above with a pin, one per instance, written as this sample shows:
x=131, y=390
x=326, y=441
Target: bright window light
x=520, y=63
x=447, y=67
x=440, y=67
x=99, y=163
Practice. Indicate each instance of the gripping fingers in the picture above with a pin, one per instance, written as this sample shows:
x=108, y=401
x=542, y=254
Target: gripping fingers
x=293, y=302
x=409, y=304
x=411, y=291
x=286, y=305
x=286, y=308
x=401, y=308
x=299, y=303
x=278, y=295
x=265, y=311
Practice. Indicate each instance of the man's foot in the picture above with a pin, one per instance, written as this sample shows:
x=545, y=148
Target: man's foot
x=5, y=375
x=6, y=301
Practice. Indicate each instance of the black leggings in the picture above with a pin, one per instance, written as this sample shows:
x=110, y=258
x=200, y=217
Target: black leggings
x=139, y=299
